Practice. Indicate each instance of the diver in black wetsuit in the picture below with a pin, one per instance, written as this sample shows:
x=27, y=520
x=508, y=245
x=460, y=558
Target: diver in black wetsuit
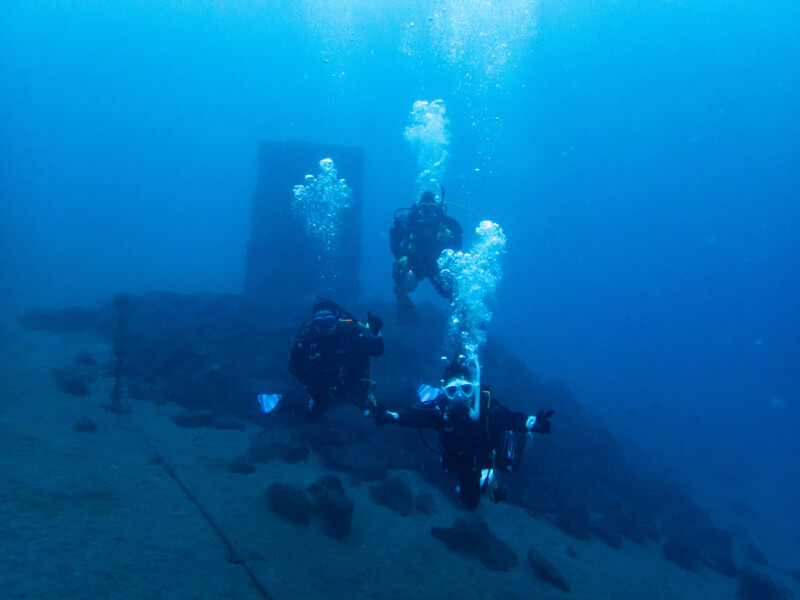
x=332, y=357
x=477, y=435
x=417, y=237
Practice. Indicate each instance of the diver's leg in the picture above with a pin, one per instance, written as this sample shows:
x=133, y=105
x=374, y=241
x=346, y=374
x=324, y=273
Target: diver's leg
x=406, y=311
x=319, y=400
x=444, y=286
x=405, y=283
x=364, y=399
x=469, y=487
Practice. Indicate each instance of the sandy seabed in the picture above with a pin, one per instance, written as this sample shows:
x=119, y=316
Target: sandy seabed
x=140, y=508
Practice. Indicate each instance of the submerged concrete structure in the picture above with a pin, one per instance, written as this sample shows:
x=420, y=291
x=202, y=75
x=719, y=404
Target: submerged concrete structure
x=283, y=263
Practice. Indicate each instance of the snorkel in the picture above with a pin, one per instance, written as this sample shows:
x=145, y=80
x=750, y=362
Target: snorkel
x=475, y=407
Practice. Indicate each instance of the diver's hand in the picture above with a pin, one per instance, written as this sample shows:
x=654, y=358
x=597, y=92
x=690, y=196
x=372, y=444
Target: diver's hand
x=375, y=323
x=541, y=422
x=385, y=417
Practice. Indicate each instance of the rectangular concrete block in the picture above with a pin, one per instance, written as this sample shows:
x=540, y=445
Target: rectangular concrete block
x=282, y=265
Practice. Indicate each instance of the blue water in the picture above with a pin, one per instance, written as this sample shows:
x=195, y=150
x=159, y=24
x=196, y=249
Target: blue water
x=641, y=156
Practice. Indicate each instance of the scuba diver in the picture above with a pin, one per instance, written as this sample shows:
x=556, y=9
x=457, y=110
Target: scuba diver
x=477, y=435
x=417, y=237
x=332, y=357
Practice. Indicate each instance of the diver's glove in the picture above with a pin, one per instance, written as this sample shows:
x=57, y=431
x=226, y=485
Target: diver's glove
x=540, y=423
x=385, y=417
x=375, y=323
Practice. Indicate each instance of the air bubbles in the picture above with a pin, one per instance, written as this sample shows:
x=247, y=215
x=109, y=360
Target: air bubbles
x=320, y=203
x=475, y=276
x=429, y=136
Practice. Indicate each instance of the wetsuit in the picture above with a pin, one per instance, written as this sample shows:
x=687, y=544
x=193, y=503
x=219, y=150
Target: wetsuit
x=335, y=366
x=421, y=234
x=468, y=447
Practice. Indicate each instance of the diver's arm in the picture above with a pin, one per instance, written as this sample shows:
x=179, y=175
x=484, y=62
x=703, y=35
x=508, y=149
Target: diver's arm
x=418, y=418
x=369, y=343
x=507, y=419
x=541, y=422
x=519, y=421
x=523, y=423
x=456, y=234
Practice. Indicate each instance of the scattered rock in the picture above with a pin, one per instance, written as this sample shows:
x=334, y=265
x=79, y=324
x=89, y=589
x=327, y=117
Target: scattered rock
x=289, y=502
x=546, y=571
x=540, y=501
x=573, y=521
x=204, y=352
x=70, y=381
x=755, y=586
x=282, y=442
x=358, y=459
x=394, y=494
x=716, y=551
x=606, y=531
x=334, y=509
x=321, y=434
x=243, y=465
x=198, y=419
x=754, y=554
x=682, y=553
x=424, y=503
x=473, y=538
x=84, y=425
x=629, y=526
x=693, y=539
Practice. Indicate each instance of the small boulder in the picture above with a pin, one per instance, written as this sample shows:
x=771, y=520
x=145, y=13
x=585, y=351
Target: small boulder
x=331, y=506
x=682, y=553
x=71, y=381
x=242, y=465
x=394, y=494
x=629, y=526
x=604, y=529
x=195, y=419
x=84, y=425
x=546, y=571
x=754, y=554
x=423, y=502
x=755, y=586
x=289, y=502
x=473, y=539
x=574, y=521
x=358, y=459
x=281, y=442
